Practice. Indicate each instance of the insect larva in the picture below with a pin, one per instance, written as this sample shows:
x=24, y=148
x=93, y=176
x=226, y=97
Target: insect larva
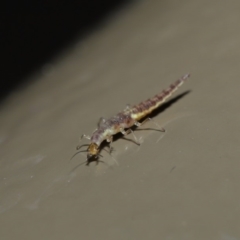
x=123, y=121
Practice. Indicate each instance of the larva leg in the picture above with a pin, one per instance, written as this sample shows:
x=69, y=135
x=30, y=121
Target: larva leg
x=110, y=139
x=85, y=136
x=101, y=121
x=129, y=131
x=138, y=124
x=128, y=106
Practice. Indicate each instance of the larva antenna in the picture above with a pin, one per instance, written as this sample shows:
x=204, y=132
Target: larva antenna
x=83, y=145
x=77, y=154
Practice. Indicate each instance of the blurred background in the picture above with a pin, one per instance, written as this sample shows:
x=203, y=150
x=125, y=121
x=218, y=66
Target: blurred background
x=34, y=32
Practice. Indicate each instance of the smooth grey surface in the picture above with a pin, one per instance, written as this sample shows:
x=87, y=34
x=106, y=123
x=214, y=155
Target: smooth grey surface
x=182, y=184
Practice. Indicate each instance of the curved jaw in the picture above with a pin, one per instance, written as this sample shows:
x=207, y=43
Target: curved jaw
x=92, y=158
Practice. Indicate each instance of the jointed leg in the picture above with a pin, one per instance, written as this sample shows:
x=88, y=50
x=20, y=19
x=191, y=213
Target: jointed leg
x=130, y=131
x=110, y=139
x=85, y=136
x=138, y=124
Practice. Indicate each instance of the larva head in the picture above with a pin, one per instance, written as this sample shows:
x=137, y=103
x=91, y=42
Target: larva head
x=93, y=150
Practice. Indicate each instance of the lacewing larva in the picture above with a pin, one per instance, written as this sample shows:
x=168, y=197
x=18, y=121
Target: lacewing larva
x=123, y=121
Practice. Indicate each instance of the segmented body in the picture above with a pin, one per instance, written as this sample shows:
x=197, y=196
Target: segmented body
x=129, y=117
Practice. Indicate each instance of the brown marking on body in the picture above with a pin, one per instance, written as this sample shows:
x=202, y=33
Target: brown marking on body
x=128, y=118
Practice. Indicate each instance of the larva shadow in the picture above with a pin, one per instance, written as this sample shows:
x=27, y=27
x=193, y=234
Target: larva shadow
x=168, y=104
x=152, y=115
